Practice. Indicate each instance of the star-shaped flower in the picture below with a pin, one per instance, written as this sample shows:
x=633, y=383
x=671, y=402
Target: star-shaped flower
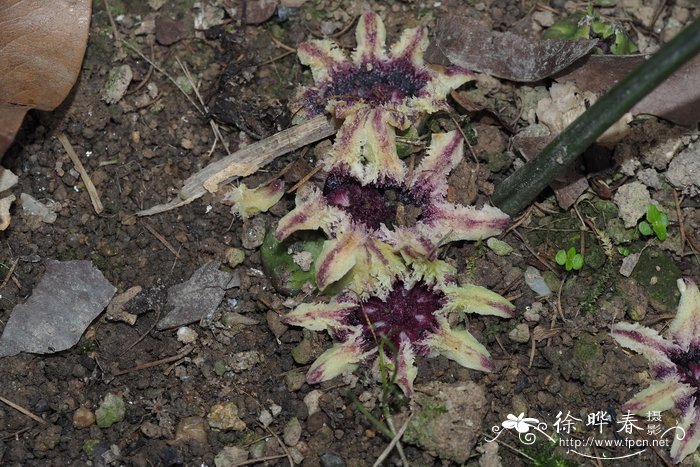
x=374, y=93
x=358, y=221
x=412, y=317
x=674, y=361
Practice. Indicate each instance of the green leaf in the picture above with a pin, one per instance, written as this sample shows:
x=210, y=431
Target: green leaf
x=571, y=253
x=623, y=251
x=660, y=231
x=560, y=258
x=645, y=228
x=663, y=219
x=653, y=213
x=577, y=262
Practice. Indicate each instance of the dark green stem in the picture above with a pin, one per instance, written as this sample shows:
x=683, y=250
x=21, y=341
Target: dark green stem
x=522, y=187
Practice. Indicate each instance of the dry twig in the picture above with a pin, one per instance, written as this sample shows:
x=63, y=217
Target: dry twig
x=26, y=412
x=92, y=191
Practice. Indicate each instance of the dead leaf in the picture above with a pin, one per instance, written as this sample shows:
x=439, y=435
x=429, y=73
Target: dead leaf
x=677, y=99
x=196, y=298
x=465, y=42
x=70, y=295
x=41, y=50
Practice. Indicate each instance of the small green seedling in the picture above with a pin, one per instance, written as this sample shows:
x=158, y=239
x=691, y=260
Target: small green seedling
x=624, y=251
x=569, y=259
x=612, y=38
x=655, y=223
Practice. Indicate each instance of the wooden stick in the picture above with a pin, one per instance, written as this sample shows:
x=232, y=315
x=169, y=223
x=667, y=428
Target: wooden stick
x=146, y=365
x=92, y=191
x=247, y=161
x=393, y=442
x=26, y=412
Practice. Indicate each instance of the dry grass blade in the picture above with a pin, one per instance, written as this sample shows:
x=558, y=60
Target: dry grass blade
x=26, y=412
x=92, y=191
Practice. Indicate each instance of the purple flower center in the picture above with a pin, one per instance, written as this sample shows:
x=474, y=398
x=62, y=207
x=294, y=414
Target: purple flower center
x=405, y=313
x=371, y=205
x=688, y=367
x=374, y=82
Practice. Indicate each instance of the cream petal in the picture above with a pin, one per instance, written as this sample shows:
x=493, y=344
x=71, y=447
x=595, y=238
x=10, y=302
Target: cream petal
x=445, y=152
x=247, y=202
x=383, y=161
x=371, y=39
x=477, y=299
x=376, y=269
x=411, y=46
x=462, y=222
x=436, y=273
x=338, y=359
x=406, y=370
x=338, y=256
x=320, y=316
x=681, y=448
x=322, y=56
x=659, y=396
x=685, y=327
x=458, y=345
x=311, y=213
x=645, y=341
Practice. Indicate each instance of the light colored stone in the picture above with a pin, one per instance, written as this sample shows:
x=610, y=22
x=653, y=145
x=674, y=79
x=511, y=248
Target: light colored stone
x=632, y=200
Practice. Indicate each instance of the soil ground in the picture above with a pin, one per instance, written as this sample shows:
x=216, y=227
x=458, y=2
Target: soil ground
x=140, y=150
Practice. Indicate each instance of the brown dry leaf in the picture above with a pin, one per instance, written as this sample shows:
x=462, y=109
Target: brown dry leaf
x=465, y=42
x=41, y=50
x=677, y=99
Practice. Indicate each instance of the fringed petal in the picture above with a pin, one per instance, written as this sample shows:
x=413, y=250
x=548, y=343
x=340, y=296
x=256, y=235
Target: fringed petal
x=451, y=222
x=320, y=316
x=366, y=146
x=406, y=370
x=432, y=97
x=371, y=39
x=322, y=56
x=411, y=46
x=435, y=273
x=247, y=202
x=407, y=241
x=645, y=341
x=311, y=213
x=685, y=327
x=383, y=160
x=476, y=299
x=659, y=396
x=338, y=256
x=338, y=359
x=445, y=152
x=690, y=423
x=458, y=345
x=376, y=270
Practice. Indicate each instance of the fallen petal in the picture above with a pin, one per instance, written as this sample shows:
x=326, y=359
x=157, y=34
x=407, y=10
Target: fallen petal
x=247, y=201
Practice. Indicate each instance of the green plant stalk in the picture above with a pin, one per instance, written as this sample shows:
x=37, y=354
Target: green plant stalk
x=522, y=187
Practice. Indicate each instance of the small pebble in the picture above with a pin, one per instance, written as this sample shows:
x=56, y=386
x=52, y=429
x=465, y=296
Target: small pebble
x=234, y=256
x=253, y=233
x=520, y=334
x=83, y=418
x=292, y=432
x=331, y=460
x=225, y=417
x=186, y=335
x=191, y=429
